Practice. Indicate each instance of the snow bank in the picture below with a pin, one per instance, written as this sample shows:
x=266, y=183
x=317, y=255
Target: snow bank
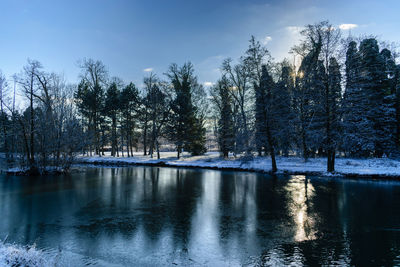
x=13, y=255
x=292, y=165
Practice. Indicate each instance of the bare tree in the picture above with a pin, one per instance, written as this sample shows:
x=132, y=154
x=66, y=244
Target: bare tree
x=239, y=76
x=3, y=114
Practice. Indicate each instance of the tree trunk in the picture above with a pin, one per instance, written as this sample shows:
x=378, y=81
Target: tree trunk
x=158, y=150
x=331, y=161
x=145, y=139
x=398, y=119
x=271, y=149
x=32, y=129
x=303, y=134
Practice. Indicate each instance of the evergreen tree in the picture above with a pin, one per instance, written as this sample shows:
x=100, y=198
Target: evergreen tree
x=397, y=106
x=185, y=128
x=265, y=94
x=332, y=106
x=111, y=109
x=223, y=102
x=283, y=115
x=129, y=105
x=305, y=96
x=356, y=127
x=95, y=76
x=371, y=82
x=260, y=114
x=90, y=102
x=316, y=117
x=389, y=106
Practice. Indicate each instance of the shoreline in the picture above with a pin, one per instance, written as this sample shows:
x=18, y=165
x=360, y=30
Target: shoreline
x=247, y=166
x=379, y=169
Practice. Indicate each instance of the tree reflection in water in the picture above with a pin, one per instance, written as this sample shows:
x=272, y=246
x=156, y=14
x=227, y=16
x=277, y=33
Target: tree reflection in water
x=163, y=216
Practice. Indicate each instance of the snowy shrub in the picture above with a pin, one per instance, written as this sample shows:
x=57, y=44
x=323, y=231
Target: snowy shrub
x=27, y=256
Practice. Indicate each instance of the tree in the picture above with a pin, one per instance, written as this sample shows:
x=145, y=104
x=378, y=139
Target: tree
x=185, y=127
x=305, y=93
x=317, y=103
x=372, y=75
x=4, y=120
x=222, y=100
x=157, y=107
x=369, y=105
x=332, y=106
x=283, y=115
x=356, y=127
x=111, y=109
x=49, y=131
x=28, y=83
x=256, y=57
x=239, y=76
x=95, y=76
x=397, y=106
x=129, y=105
x=390, y=104
x=265, y=88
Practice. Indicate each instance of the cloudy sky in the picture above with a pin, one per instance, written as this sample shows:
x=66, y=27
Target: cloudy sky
x=133, y=37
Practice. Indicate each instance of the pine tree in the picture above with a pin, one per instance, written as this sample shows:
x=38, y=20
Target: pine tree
x=94, y=74
x=397, y=106
x=260, y=114
x=371, y=81
x=389, y=104
x=282, y=111
x=265, y=93
x=316, y=92
x=129, y=104
x=305, y=96
x=332, y=106
x=356, y=127
x=111, y=109
x=225, y=129
x=185, y=128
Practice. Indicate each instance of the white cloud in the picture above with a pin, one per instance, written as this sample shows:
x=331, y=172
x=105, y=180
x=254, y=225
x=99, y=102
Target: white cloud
x=266, y=40
x=148, y=70
x=347, y=26
x=208, y=84
x=294, y=29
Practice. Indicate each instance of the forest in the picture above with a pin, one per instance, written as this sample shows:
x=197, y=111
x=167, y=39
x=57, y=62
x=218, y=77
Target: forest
x=337, y=97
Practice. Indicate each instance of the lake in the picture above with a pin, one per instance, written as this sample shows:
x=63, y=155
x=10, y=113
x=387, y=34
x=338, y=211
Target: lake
x=156, y=216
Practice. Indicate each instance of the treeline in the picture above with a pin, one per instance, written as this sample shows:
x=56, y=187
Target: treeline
x=99, y=114
x=342, y=97
x=122, y=116
x=338, y=96
x=47, y=132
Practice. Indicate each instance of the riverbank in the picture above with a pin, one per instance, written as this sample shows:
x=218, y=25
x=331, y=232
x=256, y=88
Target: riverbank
x=374, y=168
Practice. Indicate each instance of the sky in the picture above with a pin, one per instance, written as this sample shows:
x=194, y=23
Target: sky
x=133, y=38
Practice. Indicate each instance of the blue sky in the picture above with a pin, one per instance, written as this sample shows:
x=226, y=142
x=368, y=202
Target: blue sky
x=133, y=36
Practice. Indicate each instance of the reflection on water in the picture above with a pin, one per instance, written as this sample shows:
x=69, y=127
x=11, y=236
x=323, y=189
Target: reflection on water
x=300, y=194
x=166, y=216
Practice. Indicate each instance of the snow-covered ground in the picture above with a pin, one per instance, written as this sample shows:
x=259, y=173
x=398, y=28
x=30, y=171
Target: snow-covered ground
x=344, y=166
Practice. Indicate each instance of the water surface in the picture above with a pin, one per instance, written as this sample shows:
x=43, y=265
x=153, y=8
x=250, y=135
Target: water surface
x=165, y=216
